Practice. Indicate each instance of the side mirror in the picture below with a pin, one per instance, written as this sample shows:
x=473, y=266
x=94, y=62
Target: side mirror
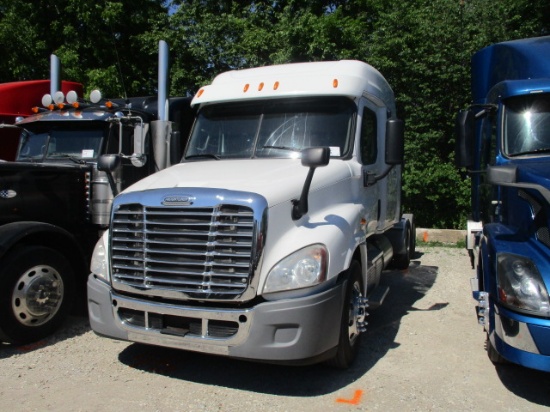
x=395, y=141
x=315, y=156
x=108, y=163
x=312, y=157
x=465, y=133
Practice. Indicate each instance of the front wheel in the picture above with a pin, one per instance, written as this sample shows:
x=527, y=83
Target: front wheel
x=353, y=320
x=495, y=357
x=36, y=291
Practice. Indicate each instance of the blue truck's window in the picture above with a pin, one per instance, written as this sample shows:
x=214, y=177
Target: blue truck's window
x=272, y=128
x=527, y=125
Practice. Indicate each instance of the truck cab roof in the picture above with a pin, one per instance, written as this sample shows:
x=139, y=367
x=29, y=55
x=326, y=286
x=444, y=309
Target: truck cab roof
x=512, y=60
x=335, y=78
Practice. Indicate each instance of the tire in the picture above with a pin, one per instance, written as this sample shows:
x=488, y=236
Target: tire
x=495, y=357
x=402, y=261
x=36, y=293
x=353, y=320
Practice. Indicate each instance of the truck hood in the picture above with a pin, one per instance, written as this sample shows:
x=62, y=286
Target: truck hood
x=43, y=192
x=536, y=172
x=277, y=180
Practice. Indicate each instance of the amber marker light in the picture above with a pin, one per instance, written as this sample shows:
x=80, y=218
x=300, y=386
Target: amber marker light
x=246, y=86
x=200, y=92
x=109, y=104
x=275, y=85
x=35, y=109
x=335, y=83
x=260, y=86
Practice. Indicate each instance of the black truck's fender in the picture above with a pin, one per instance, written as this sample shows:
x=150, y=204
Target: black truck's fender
x=16, y=233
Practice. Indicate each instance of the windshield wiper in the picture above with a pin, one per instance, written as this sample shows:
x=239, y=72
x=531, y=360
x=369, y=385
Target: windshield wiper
x=66, y=156
x=292, y=149
x=208, y=155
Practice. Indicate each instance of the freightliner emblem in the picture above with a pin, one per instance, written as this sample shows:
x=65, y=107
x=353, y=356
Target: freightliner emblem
x=7, y=194
x=178, y=200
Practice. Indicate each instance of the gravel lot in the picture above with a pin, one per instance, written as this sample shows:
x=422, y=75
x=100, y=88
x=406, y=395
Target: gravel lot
x=423, y=351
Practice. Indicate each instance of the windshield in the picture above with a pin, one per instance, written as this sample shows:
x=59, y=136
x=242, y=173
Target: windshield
x=274, y=128
x=527, y=125
x=54, y=142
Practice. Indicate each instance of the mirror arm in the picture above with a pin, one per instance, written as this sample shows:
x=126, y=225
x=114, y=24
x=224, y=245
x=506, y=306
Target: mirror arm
x=370, y=179
x=300, y=207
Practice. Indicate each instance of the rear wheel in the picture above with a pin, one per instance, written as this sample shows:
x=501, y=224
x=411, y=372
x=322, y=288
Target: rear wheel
x=353, y=320
x=402, y=260
x=36, y=291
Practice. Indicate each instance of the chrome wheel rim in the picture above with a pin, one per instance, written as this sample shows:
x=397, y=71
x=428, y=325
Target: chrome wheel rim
x=357, y=313
x=37, y=295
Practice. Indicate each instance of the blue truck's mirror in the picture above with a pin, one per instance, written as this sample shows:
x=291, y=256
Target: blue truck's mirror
x=395, y=131
x=465, y=134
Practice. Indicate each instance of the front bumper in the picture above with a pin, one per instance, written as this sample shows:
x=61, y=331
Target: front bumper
x=298, y=330
x=522, y=339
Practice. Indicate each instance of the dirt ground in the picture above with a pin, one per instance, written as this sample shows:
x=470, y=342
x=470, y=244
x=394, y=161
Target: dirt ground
x=423, y=351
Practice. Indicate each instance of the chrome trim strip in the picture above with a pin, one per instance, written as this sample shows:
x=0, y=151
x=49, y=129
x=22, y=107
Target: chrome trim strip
x=515, y=334
x=203, y=343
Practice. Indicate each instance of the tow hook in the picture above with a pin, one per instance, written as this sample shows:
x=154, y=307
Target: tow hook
x=482, y=308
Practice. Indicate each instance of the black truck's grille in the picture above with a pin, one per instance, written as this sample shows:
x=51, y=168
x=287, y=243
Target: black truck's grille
x=200, y=252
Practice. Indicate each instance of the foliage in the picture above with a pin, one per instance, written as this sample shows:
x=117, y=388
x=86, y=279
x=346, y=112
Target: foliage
x=102, y=44
x=423, y=48
x=209, y=37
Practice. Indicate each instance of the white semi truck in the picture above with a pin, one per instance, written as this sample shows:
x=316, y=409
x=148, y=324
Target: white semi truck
x=267, y=242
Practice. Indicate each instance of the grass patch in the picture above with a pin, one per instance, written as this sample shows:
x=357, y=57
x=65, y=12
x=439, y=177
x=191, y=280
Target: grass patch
x=461, y=244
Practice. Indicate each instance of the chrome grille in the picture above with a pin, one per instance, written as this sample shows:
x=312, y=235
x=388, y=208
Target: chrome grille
x=200, y=252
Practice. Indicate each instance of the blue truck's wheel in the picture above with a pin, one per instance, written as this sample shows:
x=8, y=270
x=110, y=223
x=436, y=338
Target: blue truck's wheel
x=353, y=315
x=36, y=289
x=493, y=355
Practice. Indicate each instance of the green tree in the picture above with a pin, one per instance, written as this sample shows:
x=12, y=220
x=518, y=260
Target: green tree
x=424, y=49
x=103, y=44
x=209, y=37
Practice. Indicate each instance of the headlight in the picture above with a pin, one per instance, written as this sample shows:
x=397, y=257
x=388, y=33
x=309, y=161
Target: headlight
x=99, y=264
x=304, y=268
x=520, y=285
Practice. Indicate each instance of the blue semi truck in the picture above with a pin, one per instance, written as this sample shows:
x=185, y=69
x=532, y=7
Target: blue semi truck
x=503, y=141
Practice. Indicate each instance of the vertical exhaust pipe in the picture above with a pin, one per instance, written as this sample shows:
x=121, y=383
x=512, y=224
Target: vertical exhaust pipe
x=163, y=81
x=162, y=128
x=55, y=69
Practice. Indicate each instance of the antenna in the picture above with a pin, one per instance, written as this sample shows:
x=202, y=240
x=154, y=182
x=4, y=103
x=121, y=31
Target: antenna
x=118, y=63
